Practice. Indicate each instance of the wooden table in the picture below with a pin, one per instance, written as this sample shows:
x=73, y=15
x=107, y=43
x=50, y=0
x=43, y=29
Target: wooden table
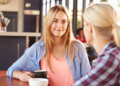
x=6, y=81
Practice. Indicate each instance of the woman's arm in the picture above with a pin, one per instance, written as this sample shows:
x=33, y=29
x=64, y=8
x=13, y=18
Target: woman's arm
x=25, y=63
x=85, y=64
x=102, y=73
x=23, y=76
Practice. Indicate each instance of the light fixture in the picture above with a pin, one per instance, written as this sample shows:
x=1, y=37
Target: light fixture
x=4, y=1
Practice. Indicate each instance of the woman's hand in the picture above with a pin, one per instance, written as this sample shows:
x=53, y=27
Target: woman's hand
x=23, y=76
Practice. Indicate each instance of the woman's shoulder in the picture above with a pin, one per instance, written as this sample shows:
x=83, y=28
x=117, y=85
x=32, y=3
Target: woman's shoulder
x=36, y=45
x=39, y=43
x=35, y=48
x=77, y=43
x=113, y=52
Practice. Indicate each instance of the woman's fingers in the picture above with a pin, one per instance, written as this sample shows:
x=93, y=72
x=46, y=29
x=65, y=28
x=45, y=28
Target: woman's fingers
x=30, y=74
x=26, y=76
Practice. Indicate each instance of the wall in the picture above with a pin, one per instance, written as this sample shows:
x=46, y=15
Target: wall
x=13, y=6
x=30, y=20
x=18, y=7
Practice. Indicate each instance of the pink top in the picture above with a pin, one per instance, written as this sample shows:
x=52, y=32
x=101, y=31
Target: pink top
x=62, y=75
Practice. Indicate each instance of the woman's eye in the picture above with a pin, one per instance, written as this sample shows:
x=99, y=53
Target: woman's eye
x=54, y=21
x=64, y=22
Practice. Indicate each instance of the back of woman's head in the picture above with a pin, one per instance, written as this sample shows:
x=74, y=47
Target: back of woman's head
x=104, y=19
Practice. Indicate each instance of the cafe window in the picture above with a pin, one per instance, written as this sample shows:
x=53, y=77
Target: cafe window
x=81, y=5
x=63, y=2
x=71, y=11
x=76, y=9
x=75, y=12
x=47, y=4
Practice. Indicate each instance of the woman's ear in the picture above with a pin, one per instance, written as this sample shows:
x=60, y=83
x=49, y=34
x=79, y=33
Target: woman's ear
x=90, y=27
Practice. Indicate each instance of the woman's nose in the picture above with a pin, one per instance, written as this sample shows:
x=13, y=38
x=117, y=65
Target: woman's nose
x=59, y=24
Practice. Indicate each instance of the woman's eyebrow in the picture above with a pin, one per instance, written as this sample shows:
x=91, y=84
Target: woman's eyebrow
x=58, y=19
x=55, y=19
x=64, y=20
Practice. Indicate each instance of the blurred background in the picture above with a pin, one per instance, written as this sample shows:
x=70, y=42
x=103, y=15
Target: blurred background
x=29, y=16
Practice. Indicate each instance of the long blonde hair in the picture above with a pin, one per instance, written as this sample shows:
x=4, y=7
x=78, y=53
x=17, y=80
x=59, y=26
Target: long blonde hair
x=67, y=37
x=104, y=18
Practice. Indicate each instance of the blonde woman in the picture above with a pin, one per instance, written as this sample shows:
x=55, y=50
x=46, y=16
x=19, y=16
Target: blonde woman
x=102, y=31
x=58, y=52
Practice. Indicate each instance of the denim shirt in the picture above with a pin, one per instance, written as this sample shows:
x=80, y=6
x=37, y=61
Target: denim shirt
x=29, y=61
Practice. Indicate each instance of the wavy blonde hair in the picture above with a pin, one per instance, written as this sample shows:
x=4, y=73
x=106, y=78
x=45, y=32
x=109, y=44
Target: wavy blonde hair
x=104, y=18
x=67, y=37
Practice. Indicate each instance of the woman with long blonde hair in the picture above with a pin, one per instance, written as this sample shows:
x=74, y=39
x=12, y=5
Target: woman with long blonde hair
x=103, y=32
x=57, y=51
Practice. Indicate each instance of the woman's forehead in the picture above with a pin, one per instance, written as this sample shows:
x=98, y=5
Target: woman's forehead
x=60, y=14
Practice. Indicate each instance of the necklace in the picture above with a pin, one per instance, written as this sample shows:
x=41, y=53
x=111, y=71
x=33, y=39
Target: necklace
x=56, y=51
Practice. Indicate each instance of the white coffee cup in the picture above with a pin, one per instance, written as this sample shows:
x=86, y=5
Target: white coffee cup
x=38, y=82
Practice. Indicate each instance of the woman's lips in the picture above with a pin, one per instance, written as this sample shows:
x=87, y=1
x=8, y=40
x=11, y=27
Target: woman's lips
x=58, y=30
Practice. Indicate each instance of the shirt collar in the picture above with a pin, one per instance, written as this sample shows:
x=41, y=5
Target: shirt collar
x=107, y=47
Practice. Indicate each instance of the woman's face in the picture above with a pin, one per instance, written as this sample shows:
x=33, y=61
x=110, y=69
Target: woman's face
x=87, y=32
x=59, y=24
x=81, y=33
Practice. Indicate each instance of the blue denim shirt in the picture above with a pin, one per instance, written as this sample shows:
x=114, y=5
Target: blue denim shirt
x=29, y=61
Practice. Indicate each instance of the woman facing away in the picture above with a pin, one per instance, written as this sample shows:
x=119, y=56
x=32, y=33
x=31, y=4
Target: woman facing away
x=102, y=31
x=58, y=52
